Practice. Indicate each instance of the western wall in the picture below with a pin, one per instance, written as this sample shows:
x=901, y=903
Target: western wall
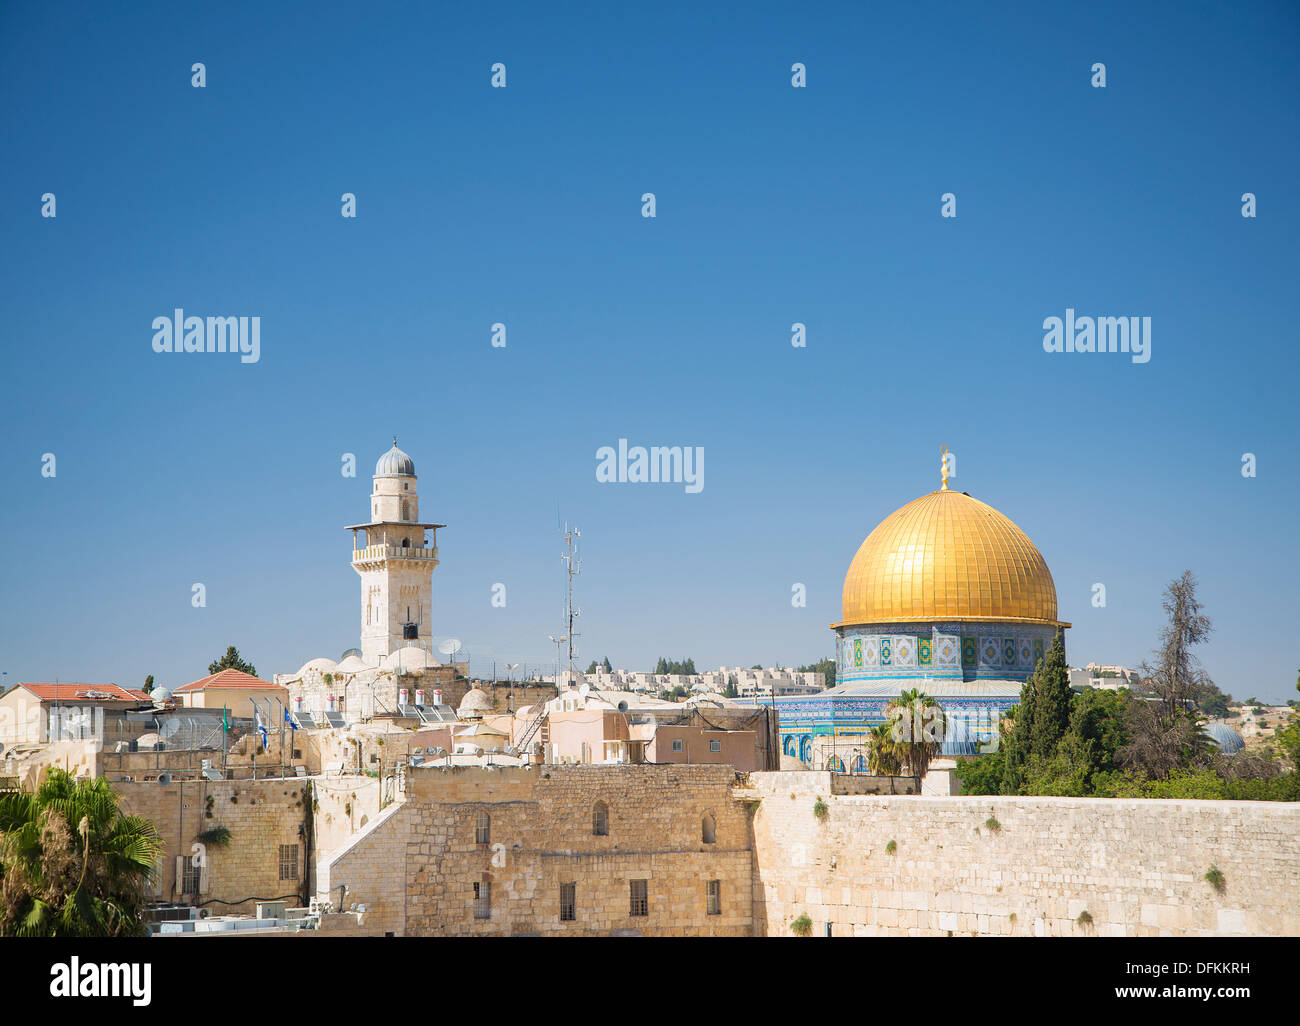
x=995, y=866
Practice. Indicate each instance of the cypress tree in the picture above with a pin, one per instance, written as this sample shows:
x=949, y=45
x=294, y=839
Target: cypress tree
x=1052, y=698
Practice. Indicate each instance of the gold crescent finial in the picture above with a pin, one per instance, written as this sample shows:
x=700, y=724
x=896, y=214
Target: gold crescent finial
x=943, y=471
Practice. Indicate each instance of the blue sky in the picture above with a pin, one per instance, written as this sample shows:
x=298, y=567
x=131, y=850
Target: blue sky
x=523, y=205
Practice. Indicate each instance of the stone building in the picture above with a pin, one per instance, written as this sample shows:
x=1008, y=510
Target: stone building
x=554, y=851
x=394, y=554
x=240, y=693
x=46, y=713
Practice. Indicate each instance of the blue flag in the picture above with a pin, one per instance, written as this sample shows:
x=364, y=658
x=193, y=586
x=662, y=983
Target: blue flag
x=260, y=726
x=289, y=720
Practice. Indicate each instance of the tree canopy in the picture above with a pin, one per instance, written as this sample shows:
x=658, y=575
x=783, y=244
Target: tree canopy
x=71, y=865
x=232, y=661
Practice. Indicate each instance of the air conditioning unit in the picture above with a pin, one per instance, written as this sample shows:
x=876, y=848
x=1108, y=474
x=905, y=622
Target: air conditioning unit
x=271, y=909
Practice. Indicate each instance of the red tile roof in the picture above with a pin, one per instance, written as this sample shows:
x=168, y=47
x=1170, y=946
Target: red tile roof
x=83, y=693
x=230, y=678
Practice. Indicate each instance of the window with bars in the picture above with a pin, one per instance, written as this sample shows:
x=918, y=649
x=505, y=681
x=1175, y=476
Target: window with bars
x=715, y=898
x=677, y=744
x=483, y=900
x=600, y=820
x=640, y=899
x=288, y=862
x=568, y=902
x=715, y=746
x=190, y=875
x=483, y=829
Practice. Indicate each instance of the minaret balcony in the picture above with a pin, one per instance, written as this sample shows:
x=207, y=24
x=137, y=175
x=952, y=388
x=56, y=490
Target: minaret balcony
x=383, y=553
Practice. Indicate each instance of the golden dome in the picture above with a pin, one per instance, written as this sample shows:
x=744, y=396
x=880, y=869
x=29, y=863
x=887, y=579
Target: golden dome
x=946, y=556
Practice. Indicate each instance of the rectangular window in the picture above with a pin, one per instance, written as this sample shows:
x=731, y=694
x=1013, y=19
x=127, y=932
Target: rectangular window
x=715, y=746
x=568, y=902
x=190, y=876
x=483, y=829
x=677, y=744
x=715, y=898
x=288, y=862
x=640, y=898
x=483, y=900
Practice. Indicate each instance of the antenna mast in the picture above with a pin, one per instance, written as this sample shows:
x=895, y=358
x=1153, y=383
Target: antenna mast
x=573, y=565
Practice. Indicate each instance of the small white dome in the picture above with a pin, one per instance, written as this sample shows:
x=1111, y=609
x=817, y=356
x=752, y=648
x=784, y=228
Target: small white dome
x=475, y=701
x=352, y=664
x=321, y=665
x=409, y=658
x=160, y=695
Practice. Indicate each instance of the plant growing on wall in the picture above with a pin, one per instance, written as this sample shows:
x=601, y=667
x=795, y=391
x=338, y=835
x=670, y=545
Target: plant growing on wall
x=992, y=824
x=891, y=848
x=821, y=810
x=801, y=927
x=216, y=837
x=1216, y=879
x=1085, y=919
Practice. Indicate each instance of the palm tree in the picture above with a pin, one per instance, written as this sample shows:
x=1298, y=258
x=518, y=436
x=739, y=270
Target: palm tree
x=918, y=726
x=71, y=865
x=882, y=752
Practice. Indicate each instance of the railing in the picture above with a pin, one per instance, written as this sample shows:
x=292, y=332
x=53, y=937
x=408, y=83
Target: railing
x=521, y=746
x=393, y=552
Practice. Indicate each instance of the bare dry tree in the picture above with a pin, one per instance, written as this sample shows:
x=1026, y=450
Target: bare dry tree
x=1166, y=733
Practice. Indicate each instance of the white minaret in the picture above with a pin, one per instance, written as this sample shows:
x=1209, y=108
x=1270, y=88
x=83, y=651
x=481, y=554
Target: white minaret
x=395, y=562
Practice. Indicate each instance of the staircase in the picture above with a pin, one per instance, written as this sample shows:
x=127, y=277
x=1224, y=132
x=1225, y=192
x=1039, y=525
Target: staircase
x=538, y=728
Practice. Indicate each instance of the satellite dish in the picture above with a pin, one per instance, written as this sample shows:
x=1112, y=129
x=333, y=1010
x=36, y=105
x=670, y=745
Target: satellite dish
x=449, y=646
x=622, y=706
x=350, y=652
x=164, y=779
x=585, y=690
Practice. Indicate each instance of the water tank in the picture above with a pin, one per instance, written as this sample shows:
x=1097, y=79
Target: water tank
x=419, y=696
x=437, y=697
x=329, y=703
x=297, y=703
x=404, y=696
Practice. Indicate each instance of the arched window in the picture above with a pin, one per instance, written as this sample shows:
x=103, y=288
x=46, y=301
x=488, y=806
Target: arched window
x=859, y=765
x=600, y=820
x=836, y=764
x=406, y=543
x=406, y=510
x=790, y=746
x=805, y=748
x=483, y=829
x=709, y=830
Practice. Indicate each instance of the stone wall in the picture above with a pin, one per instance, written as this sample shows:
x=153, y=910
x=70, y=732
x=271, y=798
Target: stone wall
x=260, y=815
x=1024, y=866
x=541, y=836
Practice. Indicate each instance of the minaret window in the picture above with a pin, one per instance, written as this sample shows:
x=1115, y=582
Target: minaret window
x=406, y=510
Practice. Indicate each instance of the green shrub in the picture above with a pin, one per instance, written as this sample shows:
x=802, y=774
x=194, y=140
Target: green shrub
x=217, y=837
x=992, y=824
x=1085, y=919
x=801, y=927
x=821, y=810
x=1216, y=879
x=891, y=847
